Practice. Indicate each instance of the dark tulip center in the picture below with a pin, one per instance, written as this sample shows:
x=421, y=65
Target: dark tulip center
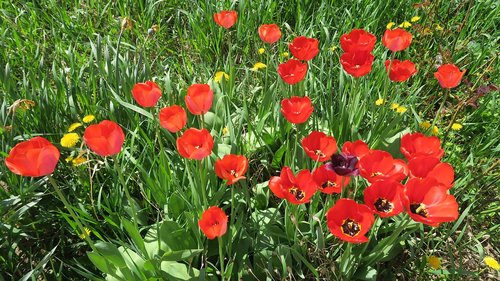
x=419, y=209
x=383, y=205
x=299, y=194
x=350, y=227
x=328, y=184
x=319, y=153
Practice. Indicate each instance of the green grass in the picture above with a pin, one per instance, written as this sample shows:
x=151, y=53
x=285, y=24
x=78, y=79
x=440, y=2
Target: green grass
x=70, y=59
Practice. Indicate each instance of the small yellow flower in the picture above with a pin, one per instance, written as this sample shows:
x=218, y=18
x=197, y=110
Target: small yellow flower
x=85, y=234
x=401, y=109
x=78, y=161
x=68, y=159
x=456, y=127
x=261, y=51
x=155, y=28
x=390, y=25
x=415, y=19
x=425, y=124
x=70, y=139
x=73, y=126
x=438, y=27
x=258, y=66
x=491, y=262
x=379, y=102
x=434, y=262
x=219, y=75
x=333, y=48
x=435, y=130
x=285, y=54
x=405, y=24
x=225, y=131
x=88, y=118
x=394, y=106
x=427, y=31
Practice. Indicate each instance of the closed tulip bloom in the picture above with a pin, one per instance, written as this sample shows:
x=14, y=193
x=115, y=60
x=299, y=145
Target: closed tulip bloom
x=358, y=148
x=195, y=144
x=357, y=64
x=295, y=189
x=36, y=157
x=396, y=39
x=343, y=165
x=199, y=98
x=379, y=165
x=293, y=71
x=432, y=167
x=304, y=48
x=213, y=222
x=328, y=181
x=384, y=198
x=449, y=76
x=226, y=19
x=358, y=40
x=146, y=94
x=350, y=221
x=269, y=33
x=296, y=109
x=319, y=146
x=105, y=138
x=231, y=168
x=417, y=144
x=173, y=118
x=400, y=70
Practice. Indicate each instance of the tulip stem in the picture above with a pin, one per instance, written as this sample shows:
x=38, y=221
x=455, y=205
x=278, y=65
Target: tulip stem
x=438, y=114
x=203, y=185
x=221, y=258
x=231, y=219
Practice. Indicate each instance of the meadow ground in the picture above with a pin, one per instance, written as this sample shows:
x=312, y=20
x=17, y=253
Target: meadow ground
x=135, y=215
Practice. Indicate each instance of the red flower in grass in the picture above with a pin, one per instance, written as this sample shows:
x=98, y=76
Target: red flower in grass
x=384, y=198
x=213, y=222
x=449, y=76
x=328, y=181
x=428, y=202
x=173, y=118
x=358, y=148
x=396, y=39
x=416, y=144
x=146, y=94
x=231, y=168
x=269, y=33
x=297, y=190
x=400, y=70
x=304, y=48
x=357, y=64
x=195, y=144
x=319, y=146
x=296, y=109
x=293, y=71
x=105, y=138
x=350, y=221
x=379, y=165
x=226, y=19
x=33, y=158
x=199, y=98
x=358, y=40
x=432, y=167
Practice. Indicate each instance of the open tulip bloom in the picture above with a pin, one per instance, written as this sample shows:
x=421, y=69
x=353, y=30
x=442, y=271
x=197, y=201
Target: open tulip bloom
x=328, y=181
x=350, y=221
x=231, y=168
x=295, y=189
x=319, y=146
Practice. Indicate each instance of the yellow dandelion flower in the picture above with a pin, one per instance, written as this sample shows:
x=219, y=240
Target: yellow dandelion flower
x=68, y=159
x=491, y=262
x=456, y=127
x=394, y=106
x=401, y=109
x=405, y=24
x=88, y=118
x=285, y=54
x=219, y=75
x=427, y=31
x=415, y=19
x=70, y=139
x=78, y=161
x=333, y=48
x=85, y=234
x=258, y=66
x=73, y=126
x=438, y=27
x=379, y=102
x=435, y=130
x=225, y=131
x=390, y=25
x=425, y=124
x=434, y=262
x=261, y=51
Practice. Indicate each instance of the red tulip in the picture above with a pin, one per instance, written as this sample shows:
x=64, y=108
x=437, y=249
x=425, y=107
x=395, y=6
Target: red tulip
x=400, y=70
x=33, y=158
x=195, y=144
x=296, y=109
x=146, y=94
x=173, y=118
x=292, y=71
x=213, y=222
x=384, y=198
x=396, y=39
x=297, y=190
x=357, y=64
x=358, y=148
x=358, y=40
x=350, y=221
x=304, y=48
x=319, y=146
x=226, y=19
x=432, y=167
x=428, y=202
x=328, y=181
x=269, y=33
x=449, y=76
x=231, y=168
x=105, y=138
x=379, y=165
x=416, y=144
x=199, y=98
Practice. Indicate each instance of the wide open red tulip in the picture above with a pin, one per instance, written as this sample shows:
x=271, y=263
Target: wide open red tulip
x=296, y=190
x=328, y=181
x=296, y=109
x=319, y=146
x=396, y=39
x=269, y=33
x=358, y=148
x=226, y=19
x=400, y=70
x=173, y=118
x=292, y=71
x=428, y=202
x=105, y=138
x=432, y=167
x=350, y=221
x=358, y=40
x=449, y=76
x=231, y=168
x=33, y=158
x=417, y=144
x=357, y=64
x=213, y=222
x=146, y=94
x=304, y=48
x=199, y=98
x=195, y=144
x=379, y=165
x=384, y=198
